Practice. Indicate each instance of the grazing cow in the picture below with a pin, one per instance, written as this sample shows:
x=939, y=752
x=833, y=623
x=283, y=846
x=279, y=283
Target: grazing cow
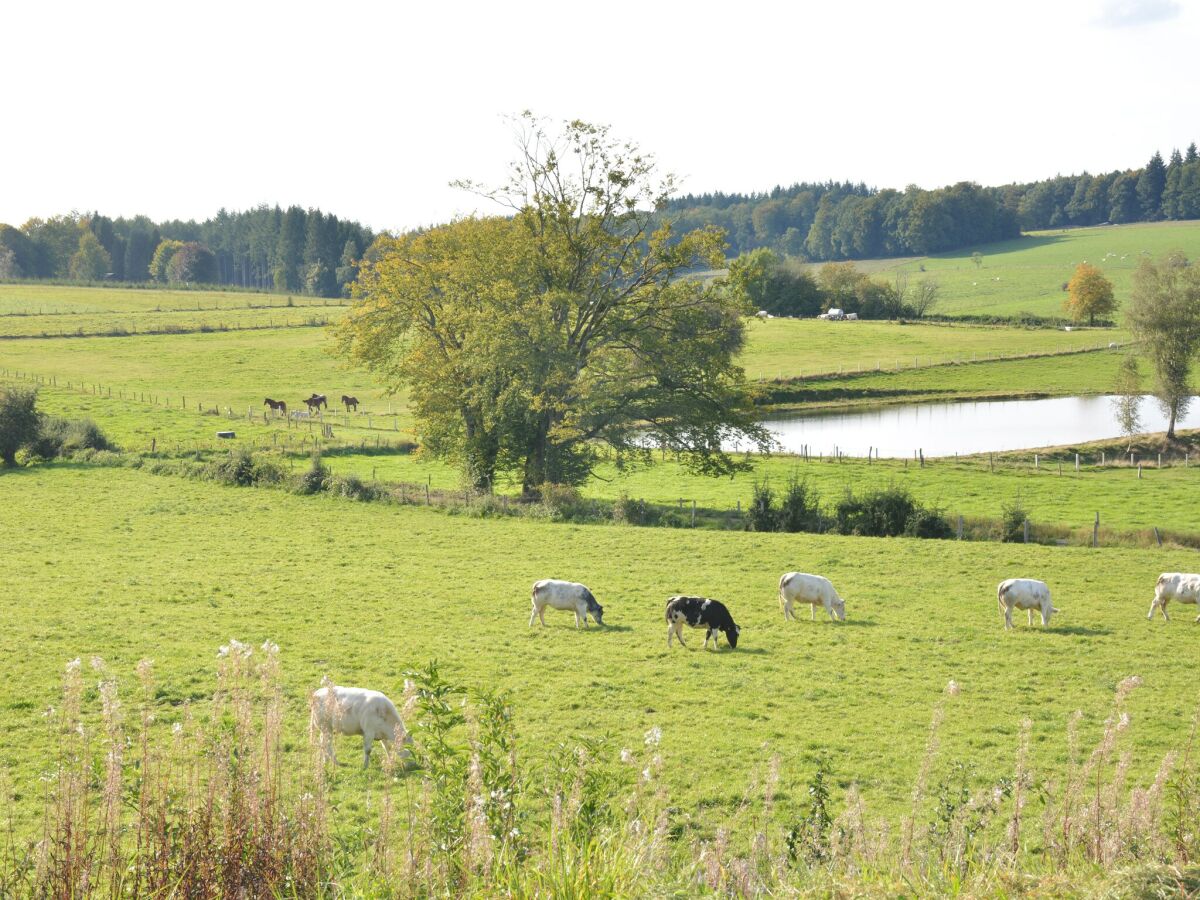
x=700, y=612
x=1174, y=586
x=565, y=595
x=351, y=403
x=815, y=590
x=352, y=710
x=762, y=314
x=1027, y=594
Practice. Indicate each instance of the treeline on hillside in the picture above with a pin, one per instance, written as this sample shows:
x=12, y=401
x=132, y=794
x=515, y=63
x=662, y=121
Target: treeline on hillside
x=267, y=248
x=838, y=220
x=783, y=288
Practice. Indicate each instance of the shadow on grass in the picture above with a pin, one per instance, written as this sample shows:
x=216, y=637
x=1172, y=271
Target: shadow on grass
x=1079, y=630
x=618, y=628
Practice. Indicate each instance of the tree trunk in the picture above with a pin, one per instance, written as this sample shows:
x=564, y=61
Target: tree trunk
x=1171, y=423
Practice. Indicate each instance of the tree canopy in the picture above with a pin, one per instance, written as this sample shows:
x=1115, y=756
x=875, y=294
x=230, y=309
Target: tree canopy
x=1090, y=294
x=528, y=342
x=1163, y=313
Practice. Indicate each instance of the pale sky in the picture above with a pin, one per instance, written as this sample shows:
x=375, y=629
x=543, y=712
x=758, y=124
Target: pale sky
x=368, y=110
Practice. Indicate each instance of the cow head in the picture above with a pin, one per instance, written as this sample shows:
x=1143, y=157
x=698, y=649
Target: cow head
x=731, y=634
x=595, y=610
x=839, y=609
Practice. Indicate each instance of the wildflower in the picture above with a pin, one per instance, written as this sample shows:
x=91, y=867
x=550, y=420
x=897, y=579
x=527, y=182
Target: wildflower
x=516, y=832
x=270, y=648
x=952, y=688
x=626, y=755
x=653, y=736
x=177, y=728
x=646, y=776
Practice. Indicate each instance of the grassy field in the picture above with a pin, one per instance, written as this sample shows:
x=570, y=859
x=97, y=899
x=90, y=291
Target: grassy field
x=133, y=565
x=51, y=299
x=1026, y=275
x=790, y=348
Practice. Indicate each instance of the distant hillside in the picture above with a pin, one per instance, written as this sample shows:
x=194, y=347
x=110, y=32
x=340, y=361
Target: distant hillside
x=842, y=220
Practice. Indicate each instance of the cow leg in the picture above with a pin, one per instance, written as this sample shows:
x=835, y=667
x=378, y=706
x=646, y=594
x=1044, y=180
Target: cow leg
x=532, y=616
x=679, y=633
x=812, y=612
x=1163, y=607
x=1008, y=618
x=829, y=609
x=367, y=741
x=671, y=634
x=1029, y=616
x=576, y=619
x=542, y=615
x=330, y=752
x=716, y=638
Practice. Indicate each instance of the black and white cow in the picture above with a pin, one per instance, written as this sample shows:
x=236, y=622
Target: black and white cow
x=700, y=612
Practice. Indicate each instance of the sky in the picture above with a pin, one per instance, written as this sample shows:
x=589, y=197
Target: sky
x=369, y=110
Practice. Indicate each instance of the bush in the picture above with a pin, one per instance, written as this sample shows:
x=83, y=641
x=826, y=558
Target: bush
x=880, y=513
x=352, y=488
x=763, y=515
x=61, y=437
x=313, y=481
x=562, y=502
x=20, y=421
x=801, y=508
x=627, y=511
x=928, y=523
x=237, y=468
x=1012, y=521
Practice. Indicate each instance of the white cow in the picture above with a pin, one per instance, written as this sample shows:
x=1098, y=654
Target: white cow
x=565, y=595
x=353, y=710
x=1174, y=586
x=815, y=590
x=1027, y=594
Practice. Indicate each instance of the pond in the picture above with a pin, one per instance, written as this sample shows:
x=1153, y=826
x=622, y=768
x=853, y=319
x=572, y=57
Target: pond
x=944, y=429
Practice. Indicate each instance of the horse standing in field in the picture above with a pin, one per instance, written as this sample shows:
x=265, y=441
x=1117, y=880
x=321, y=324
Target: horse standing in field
x=278, y=406
x=316, y=401
x=351, y=403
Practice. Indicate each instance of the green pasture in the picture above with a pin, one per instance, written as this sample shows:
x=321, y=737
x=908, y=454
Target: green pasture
x=47, y=299
x=126, y=565
x=125, y=324
x=1026, y=275
x=790, y=348
x=235, y=369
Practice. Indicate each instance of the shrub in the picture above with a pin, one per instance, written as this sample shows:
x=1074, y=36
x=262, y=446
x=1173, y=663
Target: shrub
x=763, y=515
x=20, y=421
x=928, y=523
x=353, y=488
x=314, y=479
x=1012, y=521
x=562, y=502
x=880, y=513
x=237, y=468
x=628, y=511
x=800, y=509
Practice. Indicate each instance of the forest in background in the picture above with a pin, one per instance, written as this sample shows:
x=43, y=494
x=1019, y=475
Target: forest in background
x=265, y=248
x=316, y=253
x=843, y=220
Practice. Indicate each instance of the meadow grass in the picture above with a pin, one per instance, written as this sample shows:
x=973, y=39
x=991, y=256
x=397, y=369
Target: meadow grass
x=790, y=348
x=131, y=565
x=29, y=299
x=123, y=324
x=1025, y=275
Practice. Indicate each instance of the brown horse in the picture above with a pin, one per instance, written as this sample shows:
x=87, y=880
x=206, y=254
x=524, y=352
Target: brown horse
x=316, y=401
x=351, y=403
x=276, y=405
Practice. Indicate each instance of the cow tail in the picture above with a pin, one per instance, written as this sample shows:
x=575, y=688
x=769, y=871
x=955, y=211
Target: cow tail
x=782, y=582
x=1000, y=598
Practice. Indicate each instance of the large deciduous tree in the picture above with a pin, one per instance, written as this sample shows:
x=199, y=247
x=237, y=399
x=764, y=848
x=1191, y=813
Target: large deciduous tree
x=528, y=342
x=1164, y=315
x=90, y=262
x=1090, y=294
x=19, y=421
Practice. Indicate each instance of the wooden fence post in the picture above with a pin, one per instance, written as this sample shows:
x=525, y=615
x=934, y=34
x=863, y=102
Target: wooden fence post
x=960, y=527
x=1076, y=462
x=1096, y=530
x=693, y=513
x=1027, y=529
x=1157, y=536
x=1035, y=460
x=1139, y=471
